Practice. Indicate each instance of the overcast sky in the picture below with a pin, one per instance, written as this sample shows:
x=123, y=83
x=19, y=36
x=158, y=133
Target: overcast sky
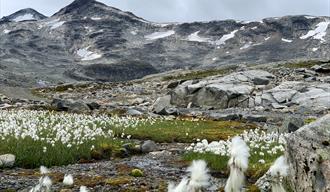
x=188, y=10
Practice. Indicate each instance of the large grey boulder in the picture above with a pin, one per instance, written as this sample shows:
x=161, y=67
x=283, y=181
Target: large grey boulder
x=233, y=90
x=70, y=105
x=7, y=160
x=223, y=96
x=308, y=154
x=148, y=146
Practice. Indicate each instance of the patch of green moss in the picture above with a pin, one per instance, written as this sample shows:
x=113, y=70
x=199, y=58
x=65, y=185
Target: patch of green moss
x=186, y=131
x=118, y=181
x=304, y=64
x=137, y=173
x=309, y=120
x=200, y=74
x=252, y=188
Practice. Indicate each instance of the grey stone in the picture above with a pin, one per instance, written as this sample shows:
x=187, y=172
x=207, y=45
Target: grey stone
x=291, y=124
x=7, y=160
x=93, y=105
x=308, y=152
x=70, y=105
x=162, y=106
x=255, y=118
x=134, y=112
x=224, y=117
x=148, y=146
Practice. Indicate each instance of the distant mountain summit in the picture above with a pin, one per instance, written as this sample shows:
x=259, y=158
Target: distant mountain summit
x=90, y=41
x=25, y=15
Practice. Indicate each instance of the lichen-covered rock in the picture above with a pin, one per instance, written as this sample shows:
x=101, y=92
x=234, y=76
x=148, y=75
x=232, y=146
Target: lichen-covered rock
x=308, y=154
x=7, y=160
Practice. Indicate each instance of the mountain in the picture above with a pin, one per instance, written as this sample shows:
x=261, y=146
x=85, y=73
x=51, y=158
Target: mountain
x=24, y=15
x=88, y=40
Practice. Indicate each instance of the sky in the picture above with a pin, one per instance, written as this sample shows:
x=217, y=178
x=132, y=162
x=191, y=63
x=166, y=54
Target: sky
x=188, y=10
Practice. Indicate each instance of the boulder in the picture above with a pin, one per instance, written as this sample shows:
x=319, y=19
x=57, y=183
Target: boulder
x=134, y=112
x=70, y=105
x=224, y=117
x=162, y=106
x=7, y=160
x=223, y=96
x=255, y=118
x=308, y=154
x=93, y=105
x=148, y=146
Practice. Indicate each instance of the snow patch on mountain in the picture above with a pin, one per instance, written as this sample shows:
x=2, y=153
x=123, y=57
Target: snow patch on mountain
x=319, y=32
x=247, y=45
x=226, y=37
x=87, y=55
x=53, y=24
x=309, y=17
x=315, y=49
x=6, y=31
x=159, y=35
x=287, y=40
x=24, y=17
x=96, y=18
x=194, y=37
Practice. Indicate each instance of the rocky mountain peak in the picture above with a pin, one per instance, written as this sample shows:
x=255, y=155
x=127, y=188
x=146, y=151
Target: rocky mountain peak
x=25, y=15
x=78, y=7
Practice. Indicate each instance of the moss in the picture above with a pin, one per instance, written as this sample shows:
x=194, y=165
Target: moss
x=200, y=74
x=123, y=169
x=309, y=120
x=186, y=131
x=9, y=190
x=162, y=186
x=252, y=188
x=137, y=173
x=89, y=181
x=303, y=64
x=118, y=181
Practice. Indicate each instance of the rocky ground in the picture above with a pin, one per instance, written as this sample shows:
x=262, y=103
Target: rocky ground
x=276, y=97
x=158, y=168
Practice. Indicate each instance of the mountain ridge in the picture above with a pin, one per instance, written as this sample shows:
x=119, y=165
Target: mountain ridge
x=89, y=41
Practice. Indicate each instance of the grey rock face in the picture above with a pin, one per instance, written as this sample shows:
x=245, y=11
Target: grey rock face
x=308, y=153
x=7, y=160
x=148, y=146
x=89, y=41
x=233, y=90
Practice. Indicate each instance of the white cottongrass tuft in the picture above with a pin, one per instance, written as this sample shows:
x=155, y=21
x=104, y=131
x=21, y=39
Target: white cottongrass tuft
x=44, y=170
x=68, y=180
x=44, y=185
x=46, y=182
x=279, y=168
x=238, y=163
x=83, y=189
x=278, y=171
x=181, y=187
x=199, y=178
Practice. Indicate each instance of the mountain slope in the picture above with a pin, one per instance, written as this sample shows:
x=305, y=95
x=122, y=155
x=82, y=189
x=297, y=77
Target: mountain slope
x=88, y=40
x=24, y=15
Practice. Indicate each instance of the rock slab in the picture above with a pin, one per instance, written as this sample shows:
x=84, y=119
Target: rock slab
x=308, y=154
